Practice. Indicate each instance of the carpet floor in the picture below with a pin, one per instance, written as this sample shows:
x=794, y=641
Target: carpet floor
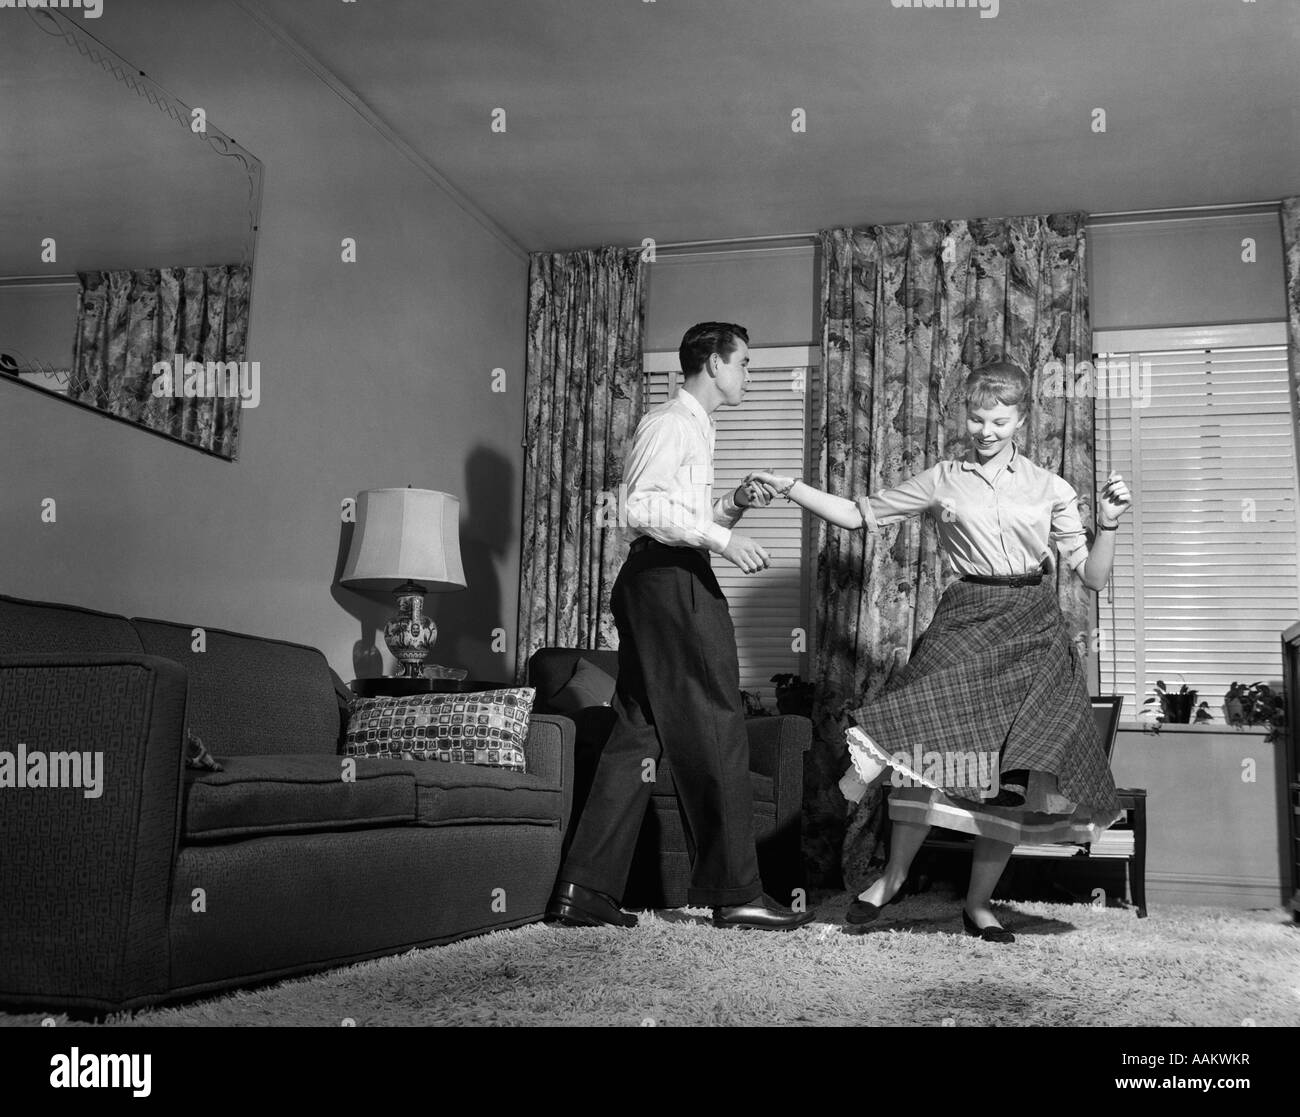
x=1071, y=965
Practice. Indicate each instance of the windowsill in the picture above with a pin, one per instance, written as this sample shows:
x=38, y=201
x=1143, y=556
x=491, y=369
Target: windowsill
x=1204, y=727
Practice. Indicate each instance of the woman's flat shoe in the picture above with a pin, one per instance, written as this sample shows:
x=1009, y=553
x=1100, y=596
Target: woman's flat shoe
x=861, y=913
x=988, y=934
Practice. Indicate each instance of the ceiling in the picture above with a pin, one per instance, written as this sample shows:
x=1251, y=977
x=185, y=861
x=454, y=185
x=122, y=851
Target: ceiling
x=672, y=119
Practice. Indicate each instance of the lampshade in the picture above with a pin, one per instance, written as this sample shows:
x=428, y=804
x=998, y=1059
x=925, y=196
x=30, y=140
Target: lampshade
x=405, y=535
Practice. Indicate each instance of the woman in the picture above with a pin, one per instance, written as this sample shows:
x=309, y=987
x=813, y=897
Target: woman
x=994, y=696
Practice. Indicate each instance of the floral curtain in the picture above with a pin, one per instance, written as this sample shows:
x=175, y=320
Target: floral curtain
x=129, y=320
x=908, y=311
x=1290, y=216
x=585, y=391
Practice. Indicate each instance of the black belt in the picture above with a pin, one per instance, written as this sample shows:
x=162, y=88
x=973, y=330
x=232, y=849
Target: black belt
x=1015, y=580
x=644, y=543
x=668, y=551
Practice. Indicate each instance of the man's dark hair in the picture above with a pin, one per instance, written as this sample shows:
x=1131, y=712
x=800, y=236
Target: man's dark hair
x=702, y=340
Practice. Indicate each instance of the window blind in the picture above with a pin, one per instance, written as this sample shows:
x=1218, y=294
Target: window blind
x=767, y=431
x=1206, y=572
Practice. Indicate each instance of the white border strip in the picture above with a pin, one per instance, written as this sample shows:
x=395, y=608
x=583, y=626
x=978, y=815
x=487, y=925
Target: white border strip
x=1241, y=335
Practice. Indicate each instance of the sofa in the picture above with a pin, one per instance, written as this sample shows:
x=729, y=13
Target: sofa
x=168, y=882
x=661, y=866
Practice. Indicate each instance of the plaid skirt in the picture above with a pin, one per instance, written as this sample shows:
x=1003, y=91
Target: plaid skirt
x=995, y=685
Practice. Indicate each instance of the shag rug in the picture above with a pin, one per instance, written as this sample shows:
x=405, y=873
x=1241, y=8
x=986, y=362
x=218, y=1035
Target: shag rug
x=1071, y=965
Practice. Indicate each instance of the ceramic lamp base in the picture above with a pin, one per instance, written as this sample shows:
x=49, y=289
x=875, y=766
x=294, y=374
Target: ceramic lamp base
x=410, y=634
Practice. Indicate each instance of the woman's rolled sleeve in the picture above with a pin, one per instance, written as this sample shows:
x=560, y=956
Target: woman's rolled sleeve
x=1067, y=526
x=893, y=506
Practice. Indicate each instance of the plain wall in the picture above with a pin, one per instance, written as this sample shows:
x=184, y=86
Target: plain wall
x=1216, y=814
x=774, y=293
x=38, y=323
x=1186, y=272
x=373, y=374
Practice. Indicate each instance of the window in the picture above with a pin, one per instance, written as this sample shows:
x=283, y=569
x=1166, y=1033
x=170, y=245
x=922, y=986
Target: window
x=1206, y=573
x=767, y=431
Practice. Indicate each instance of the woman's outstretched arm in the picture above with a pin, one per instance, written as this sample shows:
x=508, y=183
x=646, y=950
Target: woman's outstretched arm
x=890, y=506
x=834, y=509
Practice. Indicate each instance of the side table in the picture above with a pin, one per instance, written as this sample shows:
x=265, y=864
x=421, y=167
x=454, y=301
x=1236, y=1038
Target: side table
x=1134, y=800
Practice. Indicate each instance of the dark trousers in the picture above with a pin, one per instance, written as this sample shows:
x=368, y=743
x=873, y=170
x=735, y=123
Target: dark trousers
x=678, y=696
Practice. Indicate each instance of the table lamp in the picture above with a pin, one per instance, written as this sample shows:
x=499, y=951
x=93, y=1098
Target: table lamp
x=406, y=542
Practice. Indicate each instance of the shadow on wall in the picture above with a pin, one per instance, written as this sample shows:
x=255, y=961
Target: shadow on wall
x=467, y=619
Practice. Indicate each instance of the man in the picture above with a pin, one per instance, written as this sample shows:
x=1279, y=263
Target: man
x=678, y=692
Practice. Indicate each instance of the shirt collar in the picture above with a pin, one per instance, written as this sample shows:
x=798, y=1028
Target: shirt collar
x=972, y=461
x=696, y=409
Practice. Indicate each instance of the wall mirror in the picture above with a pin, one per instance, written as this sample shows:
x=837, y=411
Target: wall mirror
x=128, y=222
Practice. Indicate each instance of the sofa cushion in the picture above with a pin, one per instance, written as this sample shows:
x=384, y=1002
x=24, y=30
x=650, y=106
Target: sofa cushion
x=41, y=626
x=549, y=669
x=260, y=795
x=589, y=686
x=485, y=727
x=250, y=696
x=456, y=794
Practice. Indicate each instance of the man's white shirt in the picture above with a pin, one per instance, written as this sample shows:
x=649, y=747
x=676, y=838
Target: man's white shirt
x=669, y=478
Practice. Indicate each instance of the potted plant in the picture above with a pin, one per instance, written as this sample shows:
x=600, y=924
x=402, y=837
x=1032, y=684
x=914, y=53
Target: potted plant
x=1255, y=704
x=1176, y=707
x=793, y=695
x=753, y=704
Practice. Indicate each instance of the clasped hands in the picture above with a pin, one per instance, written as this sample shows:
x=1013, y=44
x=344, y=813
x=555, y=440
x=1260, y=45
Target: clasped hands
x=756, y=491
x=760, y=487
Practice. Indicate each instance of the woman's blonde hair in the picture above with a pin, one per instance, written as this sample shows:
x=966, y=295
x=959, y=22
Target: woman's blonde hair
x=998, y=382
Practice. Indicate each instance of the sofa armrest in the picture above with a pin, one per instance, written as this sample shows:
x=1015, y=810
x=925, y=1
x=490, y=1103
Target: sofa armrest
x=776, y=741
x=550, y=755
x=776, y=748
x=86, y=875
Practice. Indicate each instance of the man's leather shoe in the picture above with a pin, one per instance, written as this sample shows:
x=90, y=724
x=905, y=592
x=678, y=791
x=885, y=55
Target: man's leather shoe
x=762, y=914
x=575, y=906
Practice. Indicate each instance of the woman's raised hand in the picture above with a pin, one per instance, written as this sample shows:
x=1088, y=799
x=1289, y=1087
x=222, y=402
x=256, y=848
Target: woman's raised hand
x=1114, y=498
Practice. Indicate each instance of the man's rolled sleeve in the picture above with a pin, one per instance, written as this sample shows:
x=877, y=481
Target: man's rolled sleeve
x=717, y=538
x=726, y=511
x=650, y=477
x=656, y=504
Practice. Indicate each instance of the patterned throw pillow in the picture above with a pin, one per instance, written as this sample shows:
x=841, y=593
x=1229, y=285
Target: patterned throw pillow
x=489, y=727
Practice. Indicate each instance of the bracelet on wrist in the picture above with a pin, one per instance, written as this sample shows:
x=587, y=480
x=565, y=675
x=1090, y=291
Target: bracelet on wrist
x=790, y=488
x=1103, y=526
